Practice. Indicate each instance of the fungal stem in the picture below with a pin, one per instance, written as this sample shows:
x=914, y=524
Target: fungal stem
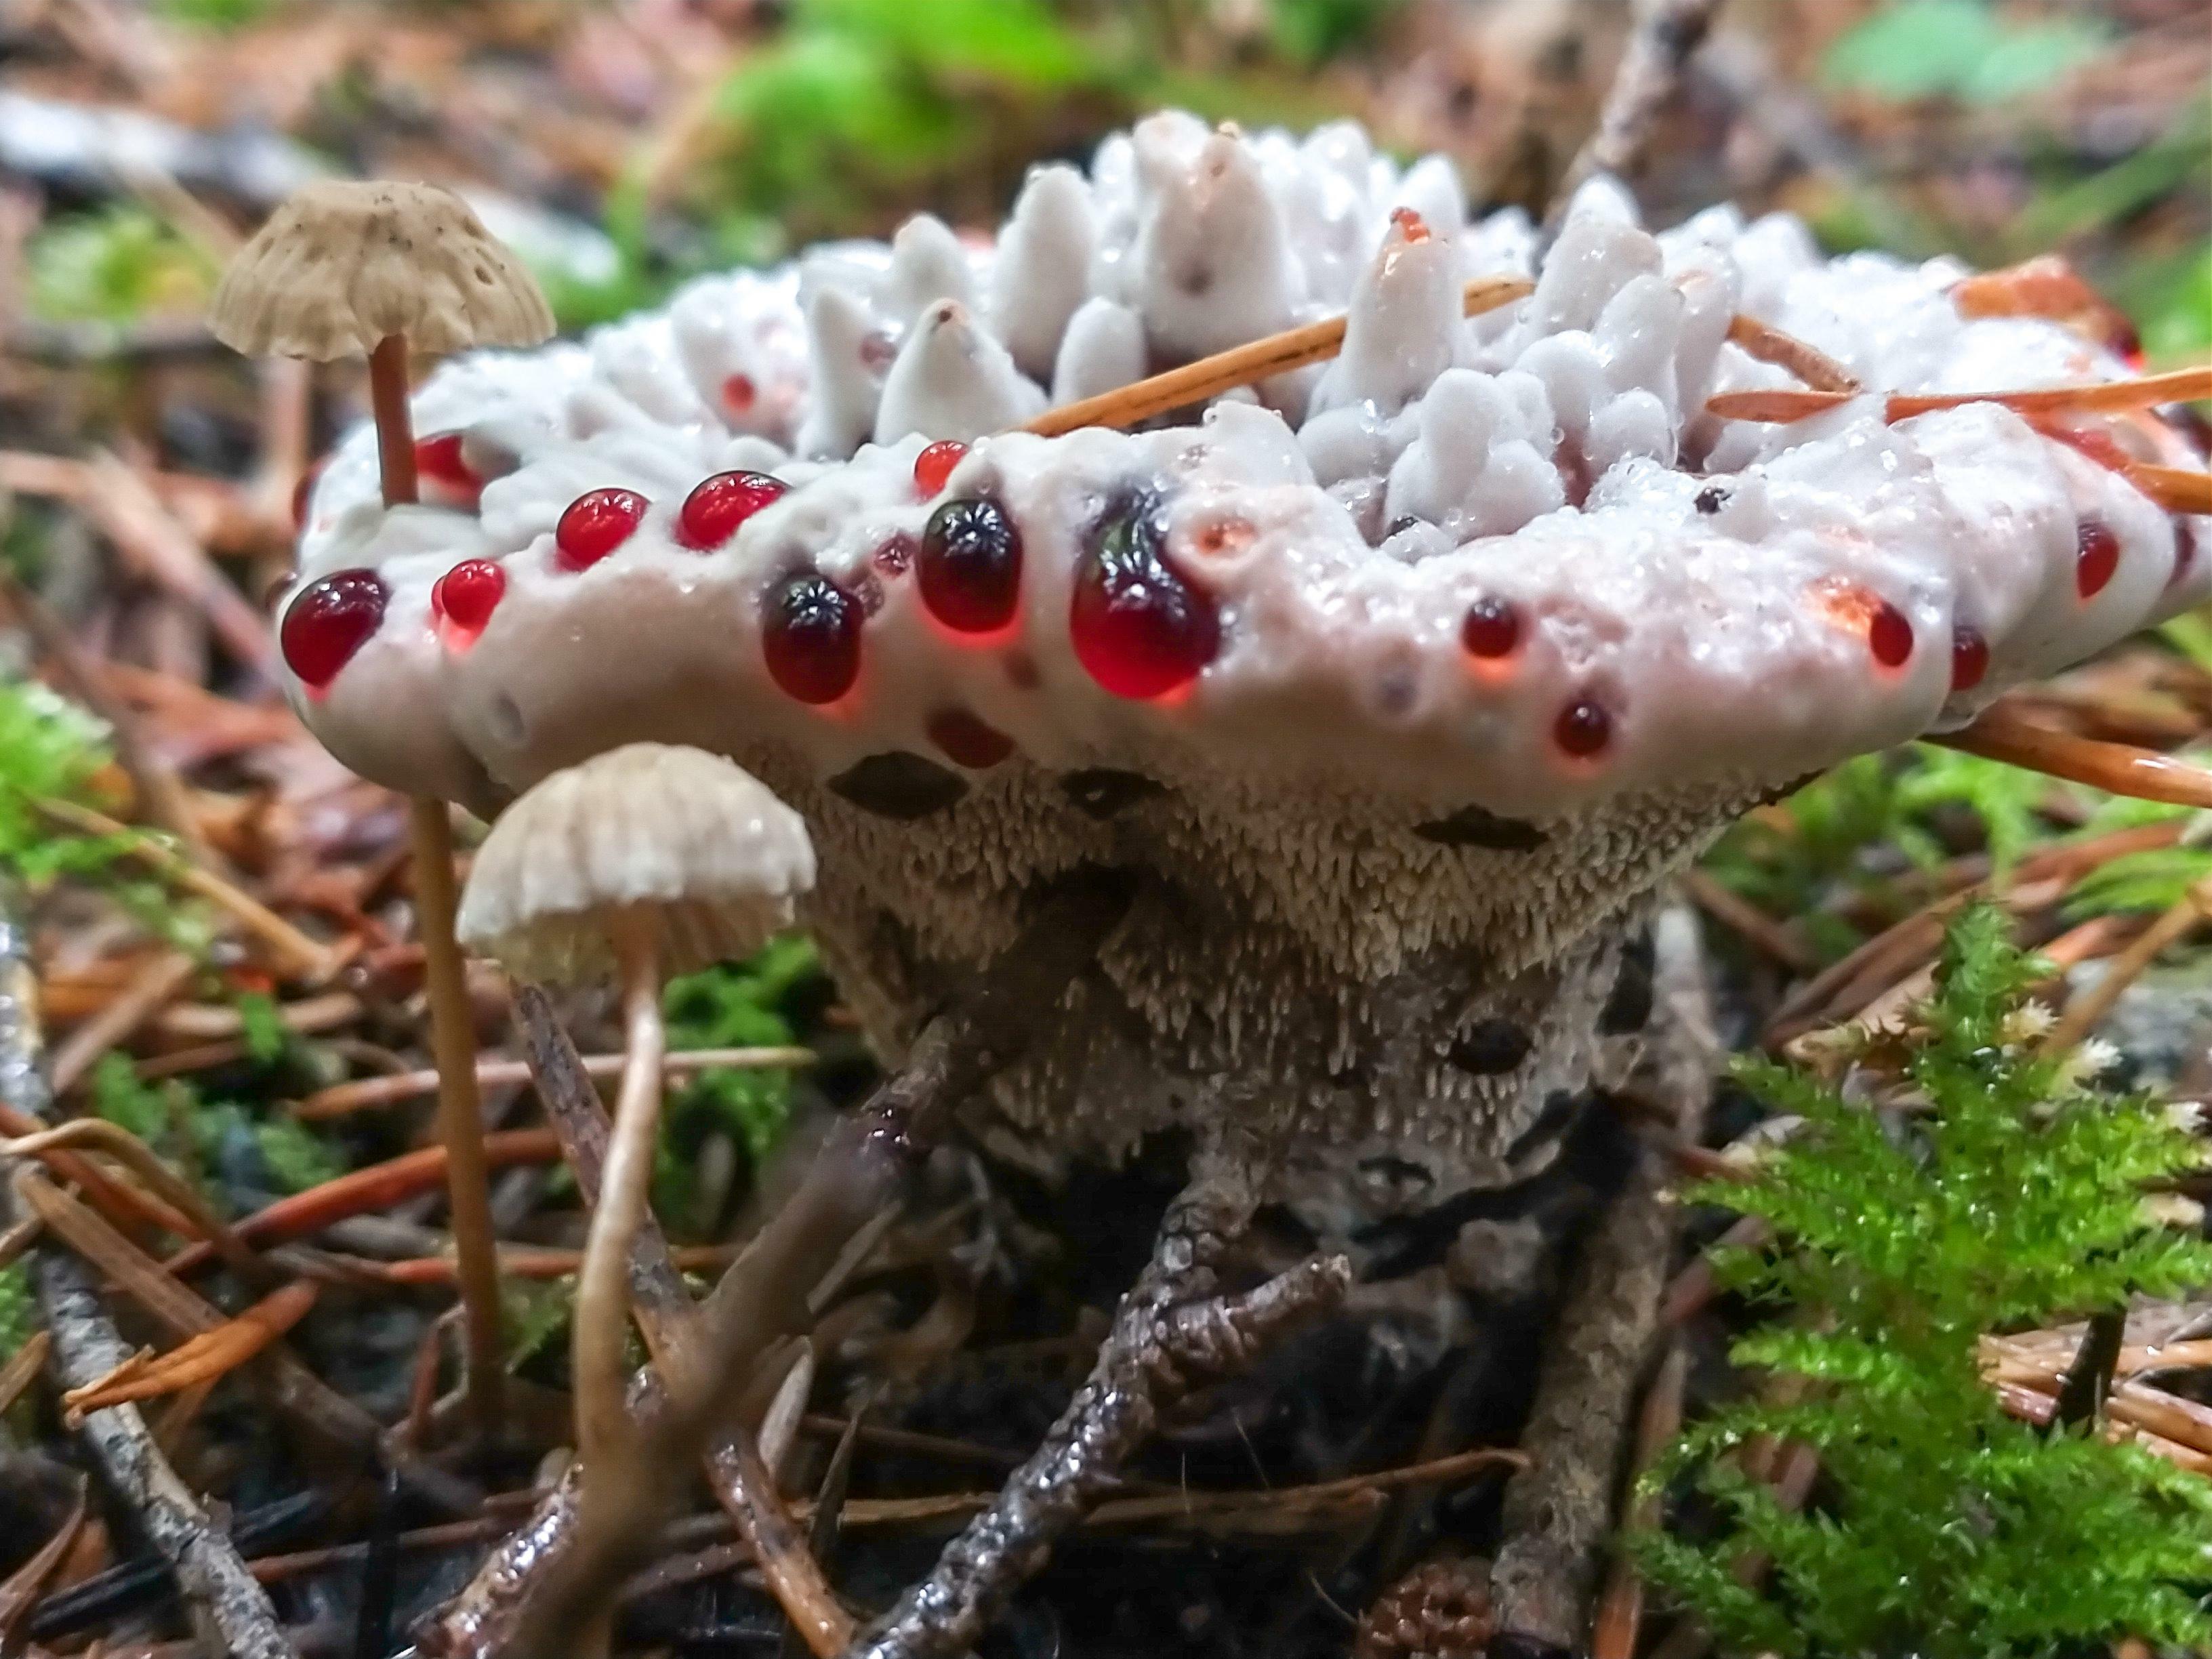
x=453, y=1025
x=2004, y=734
x=602, y=1322
x=2101, y=397
x=460, y=1112
x=395, y=430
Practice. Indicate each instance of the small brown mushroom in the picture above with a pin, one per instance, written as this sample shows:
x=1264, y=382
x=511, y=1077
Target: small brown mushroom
x=644, y=861
x=348, y=268
x=357, y=268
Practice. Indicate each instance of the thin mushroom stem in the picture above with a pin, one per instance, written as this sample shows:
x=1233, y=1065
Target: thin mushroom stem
x=453, y=1025
x=601, y=1325
x=460, y=1111
x=395, y=430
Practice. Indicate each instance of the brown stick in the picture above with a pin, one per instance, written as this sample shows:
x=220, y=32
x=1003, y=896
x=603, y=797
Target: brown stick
x=343, y=1098
x=461, y=1108
x=1667, y=33
x=1559, y=1509
x=86, y=1346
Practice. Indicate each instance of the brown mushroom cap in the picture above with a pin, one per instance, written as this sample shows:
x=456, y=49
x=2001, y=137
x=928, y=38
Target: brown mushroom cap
x=346, y=262
x=686, y=843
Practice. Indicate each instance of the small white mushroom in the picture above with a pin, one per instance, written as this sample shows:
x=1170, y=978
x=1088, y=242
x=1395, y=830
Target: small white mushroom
x=643, y=861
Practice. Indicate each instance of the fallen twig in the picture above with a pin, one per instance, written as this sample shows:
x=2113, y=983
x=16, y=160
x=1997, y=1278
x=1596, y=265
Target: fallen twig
x=85, y=1346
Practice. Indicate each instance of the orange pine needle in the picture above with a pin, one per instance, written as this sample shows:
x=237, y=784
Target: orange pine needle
x=2100, y=396
x=2177, y=488
x=202, y=1358
x=1314, y=343
x=2003, y=734
x=379, y=1187
x=1808, y=362
x=1245, y=365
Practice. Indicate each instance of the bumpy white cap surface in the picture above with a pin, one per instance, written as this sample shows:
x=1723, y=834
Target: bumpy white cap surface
x=695, y=845
x=1400, y=680
x=345, y=262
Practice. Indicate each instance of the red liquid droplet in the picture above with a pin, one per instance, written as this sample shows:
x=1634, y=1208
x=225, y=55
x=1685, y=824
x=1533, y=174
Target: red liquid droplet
x=1414, y=228
x=329, y=622
x=595, y=524
x=303, y=492
x=739, y=393
x=2097, y=557
x=712, y=511
x=1138, y=628
x=1583, y=728
x=969, y=568
x=810, y=636
x=438, y=460
x=1970, y=659
x=466, y=594
x=934, y=466
x=967, y=741
x=1889, y=637
x=1493, y=629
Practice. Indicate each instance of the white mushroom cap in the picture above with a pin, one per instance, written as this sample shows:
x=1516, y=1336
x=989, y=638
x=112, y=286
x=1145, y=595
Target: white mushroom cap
x=695, y=845
x=345, y=262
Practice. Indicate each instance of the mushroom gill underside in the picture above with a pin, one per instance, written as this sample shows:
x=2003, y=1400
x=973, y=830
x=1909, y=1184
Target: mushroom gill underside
x=1398, y=681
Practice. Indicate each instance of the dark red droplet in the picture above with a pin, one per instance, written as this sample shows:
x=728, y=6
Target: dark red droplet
x=1138, y=627
x=439, y=462
x=934, y=466
x=969, y=568
x=303, y=492
x=594, y=525
x=2097, y=557
x=1970, y=659
x=967, y=741
x=712, y=511
x=739, y=393
x=329, y=622
x=466, y=595
x=810, y=636
x=1493, y=627
x=1889, y=635
x=1582, y=728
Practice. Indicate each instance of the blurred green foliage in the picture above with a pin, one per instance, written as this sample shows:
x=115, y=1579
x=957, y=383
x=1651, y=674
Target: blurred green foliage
x=1943, y=1527
x=1844, y=833
x=115, y=264
x=1961, y=49
x=738, y=1006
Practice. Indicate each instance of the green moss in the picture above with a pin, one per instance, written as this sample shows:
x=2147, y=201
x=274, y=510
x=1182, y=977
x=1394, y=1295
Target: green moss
x=1942, y=1528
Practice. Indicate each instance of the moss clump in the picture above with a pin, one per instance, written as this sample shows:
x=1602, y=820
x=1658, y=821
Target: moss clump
x=2007, y=1193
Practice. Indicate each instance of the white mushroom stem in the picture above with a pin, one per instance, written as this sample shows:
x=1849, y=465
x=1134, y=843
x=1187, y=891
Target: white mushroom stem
x=601, y=1341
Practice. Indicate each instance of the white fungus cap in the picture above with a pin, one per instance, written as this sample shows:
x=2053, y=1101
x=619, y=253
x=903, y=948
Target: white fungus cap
x=346, y=262
x=695, y=844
